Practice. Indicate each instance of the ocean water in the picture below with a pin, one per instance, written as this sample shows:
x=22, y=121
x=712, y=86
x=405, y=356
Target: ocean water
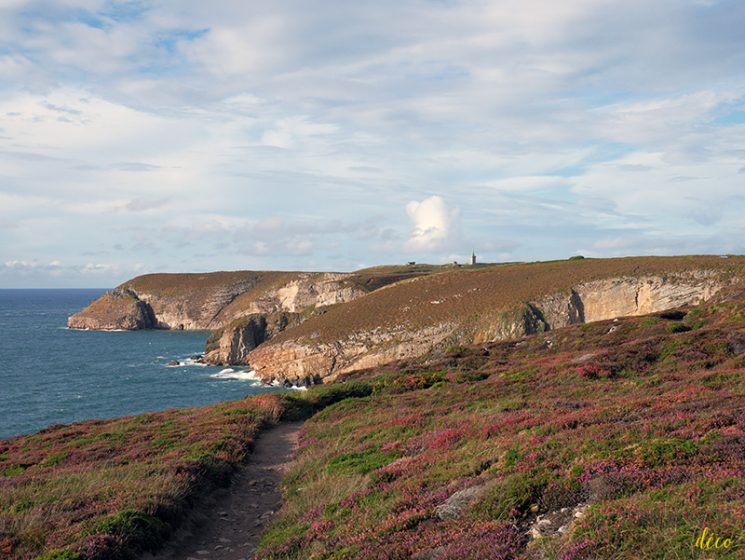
x=50, y=374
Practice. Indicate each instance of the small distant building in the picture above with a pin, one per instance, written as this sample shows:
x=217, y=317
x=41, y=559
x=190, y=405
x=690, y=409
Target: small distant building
x=411, y=263
x=472, y=260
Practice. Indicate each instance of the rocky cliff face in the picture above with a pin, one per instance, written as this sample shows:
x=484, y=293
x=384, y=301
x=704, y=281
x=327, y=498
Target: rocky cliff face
x=212, y=301
x=119, y=309
x=305, y=359
x=231, y=344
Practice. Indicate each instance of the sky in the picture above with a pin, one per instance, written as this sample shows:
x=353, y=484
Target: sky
x=183, y=135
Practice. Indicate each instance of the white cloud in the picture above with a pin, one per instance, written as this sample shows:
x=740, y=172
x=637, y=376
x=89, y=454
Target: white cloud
x=434, y=225
x=277, y=135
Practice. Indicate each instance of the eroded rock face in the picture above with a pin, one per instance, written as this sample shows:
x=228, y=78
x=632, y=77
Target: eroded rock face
x=117, y=310
x=625, y=297
x=295, y=360
x=231, y=344
x=187, y=304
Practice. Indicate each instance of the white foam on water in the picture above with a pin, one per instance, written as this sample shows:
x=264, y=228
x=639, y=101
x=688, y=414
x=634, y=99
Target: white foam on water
x=277, y=383
x=185, y=362
x=240, y=375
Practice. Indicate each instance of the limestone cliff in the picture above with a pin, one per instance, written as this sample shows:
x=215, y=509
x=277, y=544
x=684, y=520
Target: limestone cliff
x=119, y=309
x=213, y=300
x=301, y=355
x=231, y=344
x=272, y=320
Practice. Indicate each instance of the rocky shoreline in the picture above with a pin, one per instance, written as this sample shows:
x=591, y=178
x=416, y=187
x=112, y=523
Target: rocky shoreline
x=302, y=329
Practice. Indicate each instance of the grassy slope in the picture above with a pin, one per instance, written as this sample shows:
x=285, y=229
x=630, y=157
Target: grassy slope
x=185, y=283
x=180, y=284
x=196, y=289
x=641, y=419
x=470, y=293
x=108, y=489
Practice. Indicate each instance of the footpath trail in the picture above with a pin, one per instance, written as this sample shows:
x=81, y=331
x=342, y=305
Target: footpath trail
x=229, y=524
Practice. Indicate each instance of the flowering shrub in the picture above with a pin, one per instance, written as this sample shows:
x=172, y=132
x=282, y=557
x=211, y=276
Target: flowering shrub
x=645, y=458
x=106, y=489
x=593, y=372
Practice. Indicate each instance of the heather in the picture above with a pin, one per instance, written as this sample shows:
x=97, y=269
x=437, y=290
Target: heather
x=618, y=439
x=108, y=489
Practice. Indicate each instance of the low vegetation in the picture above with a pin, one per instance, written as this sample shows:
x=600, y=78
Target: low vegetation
x=620, y=439
x=114, y=488
x=468, y=295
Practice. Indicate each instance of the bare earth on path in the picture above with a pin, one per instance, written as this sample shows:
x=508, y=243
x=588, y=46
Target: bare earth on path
x=229, y=524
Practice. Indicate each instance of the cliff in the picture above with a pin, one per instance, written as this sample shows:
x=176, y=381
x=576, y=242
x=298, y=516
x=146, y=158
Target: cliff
x=305, y=327
x=232, y=343
x=120, y=309
x=412, y=318
x=596, y=441
x=211, y=301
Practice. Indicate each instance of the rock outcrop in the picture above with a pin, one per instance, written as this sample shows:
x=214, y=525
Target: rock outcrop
x=298, y=359
x=301, y=327
x=212, y=301
x=231, y=344
x=119, y=309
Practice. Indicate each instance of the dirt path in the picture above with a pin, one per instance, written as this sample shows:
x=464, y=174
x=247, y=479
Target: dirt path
x=229, y=525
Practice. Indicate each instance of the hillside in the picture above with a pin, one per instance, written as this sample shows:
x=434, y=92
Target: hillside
x=212, y=300
x=621, y=439
x=113, y=489
x=461, y=306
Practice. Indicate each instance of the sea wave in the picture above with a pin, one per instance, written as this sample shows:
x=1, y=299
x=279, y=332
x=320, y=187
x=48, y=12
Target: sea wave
x=277, y=383
x=184, y=362
x=240, y=375
x=93, y=330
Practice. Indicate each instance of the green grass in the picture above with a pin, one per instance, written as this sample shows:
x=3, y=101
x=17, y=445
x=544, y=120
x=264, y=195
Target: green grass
x=115, y=488
x=647, y=456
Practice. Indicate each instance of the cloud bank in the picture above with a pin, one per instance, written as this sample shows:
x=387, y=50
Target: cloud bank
x=173, y=136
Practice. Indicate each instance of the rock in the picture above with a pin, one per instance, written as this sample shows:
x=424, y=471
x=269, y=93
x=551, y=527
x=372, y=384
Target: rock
x=119, y=309
x=293, y=360
x=457, y=504
x=173, y=363
x=556, y=522
x=231, y=344
x=432, y=554
x=213, y=300
x=582, y=359
x=737, y=347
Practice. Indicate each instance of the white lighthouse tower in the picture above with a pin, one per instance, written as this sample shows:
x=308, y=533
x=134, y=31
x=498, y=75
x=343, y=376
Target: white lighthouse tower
x=472, y=260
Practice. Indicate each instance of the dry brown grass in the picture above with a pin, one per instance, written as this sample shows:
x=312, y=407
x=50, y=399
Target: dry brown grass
x=470, y=293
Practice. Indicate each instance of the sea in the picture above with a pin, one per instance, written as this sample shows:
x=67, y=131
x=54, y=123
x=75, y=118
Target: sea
x=50, y=374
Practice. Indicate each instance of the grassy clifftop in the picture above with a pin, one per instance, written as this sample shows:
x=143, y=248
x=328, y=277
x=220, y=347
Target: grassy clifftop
x=212, y=300
x=469, y=293
x=180, y=283
x=620, y=440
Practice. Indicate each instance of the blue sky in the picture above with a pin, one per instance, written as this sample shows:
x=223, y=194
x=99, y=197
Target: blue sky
x=186, y=135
